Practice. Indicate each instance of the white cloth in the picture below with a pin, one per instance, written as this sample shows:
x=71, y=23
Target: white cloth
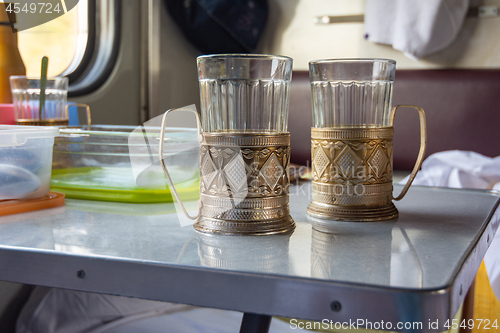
x=417, y=28
x=52, y=310
x=465, y=169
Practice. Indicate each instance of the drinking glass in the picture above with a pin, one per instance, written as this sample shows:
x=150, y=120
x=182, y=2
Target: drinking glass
x=26, y=99
x=244, y=144
x=244, y=93
x=352, y=139
x=55, y=110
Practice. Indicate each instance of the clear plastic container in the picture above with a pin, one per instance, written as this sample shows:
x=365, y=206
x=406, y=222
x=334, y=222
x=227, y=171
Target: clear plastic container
x=120, y=163
x=25, y=161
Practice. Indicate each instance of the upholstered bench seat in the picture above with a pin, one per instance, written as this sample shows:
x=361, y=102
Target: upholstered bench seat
x=462, y=109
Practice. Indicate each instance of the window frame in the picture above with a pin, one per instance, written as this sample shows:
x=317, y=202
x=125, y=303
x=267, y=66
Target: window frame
x=101, y=52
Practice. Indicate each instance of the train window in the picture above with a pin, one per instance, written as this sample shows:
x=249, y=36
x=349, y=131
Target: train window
x=82, y=44
x=63, y=40
x=101, y=52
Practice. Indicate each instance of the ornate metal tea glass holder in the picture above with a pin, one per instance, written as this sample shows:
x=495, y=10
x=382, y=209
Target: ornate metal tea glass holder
x=244, y=182
x=352, y=171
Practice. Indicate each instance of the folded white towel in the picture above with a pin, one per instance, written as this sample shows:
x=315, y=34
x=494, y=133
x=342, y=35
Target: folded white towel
x=417, y=28
x=465, y=169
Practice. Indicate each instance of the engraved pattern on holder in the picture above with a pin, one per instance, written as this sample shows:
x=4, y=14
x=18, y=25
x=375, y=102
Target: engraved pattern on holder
x=250, y=203
x=244, y=183
x=352, y=174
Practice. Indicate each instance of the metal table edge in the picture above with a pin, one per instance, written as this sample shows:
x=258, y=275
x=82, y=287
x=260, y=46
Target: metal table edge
x=300, y=297
x=292, y=297
x=465, y=273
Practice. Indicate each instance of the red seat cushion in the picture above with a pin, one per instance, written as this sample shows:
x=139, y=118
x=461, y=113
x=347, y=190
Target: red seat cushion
x=462, y=109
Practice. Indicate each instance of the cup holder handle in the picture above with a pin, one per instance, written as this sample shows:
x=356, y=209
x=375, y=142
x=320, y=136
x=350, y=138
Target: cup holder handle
x=80, y=105
x=160, y=155
x=423, y=145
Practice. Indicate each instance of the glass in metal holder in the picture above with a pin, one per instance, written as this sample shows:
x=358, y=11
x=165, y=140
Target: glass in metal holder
x=352, y=140
x=244, y=144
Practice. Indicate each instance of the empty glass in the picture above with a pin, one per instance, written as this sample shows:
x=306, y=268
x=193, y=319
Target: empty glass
x=352, y=92
x=244, y=92
x=352, y=139
x=244, y=144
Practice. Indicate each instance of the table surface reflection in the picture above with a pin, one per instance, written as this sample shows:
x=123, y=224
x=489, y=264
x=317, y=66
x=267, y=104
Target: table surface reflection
x=417, y=268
